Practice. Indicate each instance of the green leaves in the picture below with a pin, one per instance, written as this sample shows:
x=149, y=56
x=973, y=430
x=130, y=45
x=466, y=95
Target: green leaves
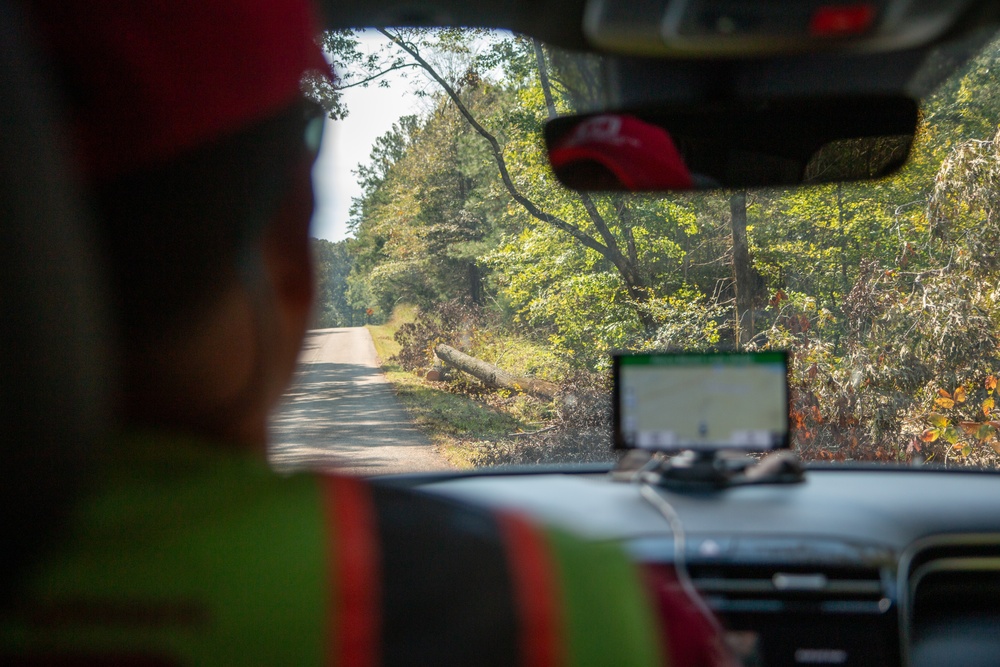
x=333, y=265
x=938, y=420
x=886, y=291
x=972, y=434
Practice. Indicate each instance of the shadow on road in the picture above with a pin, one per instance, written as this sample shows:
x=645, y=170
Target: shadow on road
x=345, y=416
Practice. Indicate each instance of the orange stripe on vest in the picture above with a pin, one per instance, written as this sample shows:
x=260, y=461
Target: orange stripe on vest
x=536, y=590
x=357, y=580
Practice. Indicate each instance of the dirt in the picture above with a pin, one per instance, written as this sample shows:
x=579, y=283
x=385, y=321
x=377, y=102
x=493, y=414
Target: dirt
x=341, y=413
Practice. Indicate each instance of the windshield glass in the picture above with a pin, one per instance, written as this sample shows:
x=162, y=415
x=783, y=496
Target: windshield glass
x=468, y=304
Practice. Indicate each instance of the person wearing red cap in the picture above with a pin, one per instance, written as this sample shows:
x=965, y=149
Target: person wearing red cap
x=188, y=131
x=619, y=152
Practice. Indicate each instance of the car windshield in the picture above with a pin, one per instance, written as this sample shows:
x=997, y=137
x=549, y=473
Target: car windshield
x=468, y=304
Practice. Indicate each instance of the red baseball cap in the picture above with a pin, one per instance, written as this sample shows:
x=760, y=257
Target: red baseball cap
x=148, y=80
x=641, y=156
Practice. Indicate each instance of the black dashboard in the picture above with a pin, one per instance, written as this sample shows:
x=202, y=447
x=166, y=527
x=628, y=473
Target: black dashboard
x=850, y=567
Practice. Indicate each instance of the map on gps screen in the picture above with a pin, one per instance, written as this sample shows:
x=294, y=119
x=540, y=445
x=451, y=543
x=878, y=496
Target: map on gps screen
x=702, y=401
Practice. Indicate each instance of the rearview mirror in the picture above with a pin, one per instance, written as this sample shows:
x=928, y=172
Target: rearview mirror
x=765, y=144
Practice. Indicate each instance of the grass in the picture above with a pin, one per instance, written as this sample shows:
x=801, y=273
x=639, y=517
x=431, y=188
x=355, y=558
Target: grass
x=447, y=418
x=383, y=334
x=520, y=356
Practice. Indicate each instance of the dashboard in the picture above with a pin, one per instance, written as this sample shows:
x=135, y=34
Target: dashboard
x=853, y=566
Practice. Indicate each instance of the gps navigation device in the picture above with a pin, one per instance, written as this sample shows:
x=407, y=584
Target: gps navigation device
x=671, y=402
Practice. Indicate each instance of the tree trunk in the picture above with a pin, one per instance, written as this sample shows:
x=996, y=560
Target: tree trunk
x=475, y=282
x=543, y=76
x=627, y=266
x=494, y=377
x=749, y=283
x=438, y=372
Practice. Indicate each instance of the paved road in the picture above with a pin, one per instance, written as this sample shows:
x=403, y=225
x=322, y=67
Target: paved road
x=341, y=412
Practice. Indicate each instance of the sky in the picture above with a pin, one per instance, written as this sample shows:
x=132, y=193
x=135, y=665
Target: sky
x=372, y=111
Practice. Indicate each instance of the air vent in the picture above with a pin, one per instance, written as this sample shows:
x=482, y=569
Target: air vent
x=802, y=600
x=731, y=588
x=950, y=586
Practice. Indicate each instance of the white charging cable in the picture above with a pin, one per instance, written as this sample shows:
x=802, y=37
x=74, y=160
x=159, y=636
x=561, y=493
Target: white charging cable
x=653, y=496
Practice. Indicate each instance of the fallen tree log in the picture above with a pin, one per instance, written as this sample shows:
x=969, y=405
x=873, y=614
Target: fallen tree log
x=437, y=373
x=492, y=376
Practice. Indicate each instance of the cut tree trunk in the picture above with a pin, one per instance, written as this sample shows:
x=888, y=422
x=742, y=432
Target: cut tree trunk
x=492, y=376
x=437, y=373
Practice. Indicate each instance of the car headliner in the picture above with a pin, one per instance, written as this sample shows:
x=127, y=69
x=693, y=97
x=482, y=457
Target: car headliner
x=557, y=22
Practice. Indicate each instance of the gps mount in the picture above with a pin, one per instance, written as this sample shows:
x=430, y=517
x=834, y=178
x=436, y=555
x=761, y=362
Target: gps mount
x=708, y=470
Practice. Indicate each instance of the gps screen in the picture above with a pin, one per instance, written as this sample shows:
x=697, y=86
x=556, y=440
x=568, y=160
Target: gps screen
x=675, y=401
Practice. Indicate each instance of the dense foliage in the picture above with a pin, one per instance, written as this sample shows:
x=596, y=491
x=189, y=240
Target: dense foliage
x=886, y=292
x=333, y=305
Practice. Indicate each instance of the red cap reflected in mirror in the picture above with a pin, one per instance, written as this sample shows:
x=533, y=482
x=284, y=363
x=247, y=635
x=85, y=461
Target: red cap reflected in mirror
x=619, y=151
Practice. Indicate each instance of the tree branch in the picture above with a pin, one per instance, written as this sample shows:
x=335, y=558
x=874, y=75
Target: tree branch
x=543, y=74
x=628, y=221
x=369, y=79
x=525, y=203
x=626, y=265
